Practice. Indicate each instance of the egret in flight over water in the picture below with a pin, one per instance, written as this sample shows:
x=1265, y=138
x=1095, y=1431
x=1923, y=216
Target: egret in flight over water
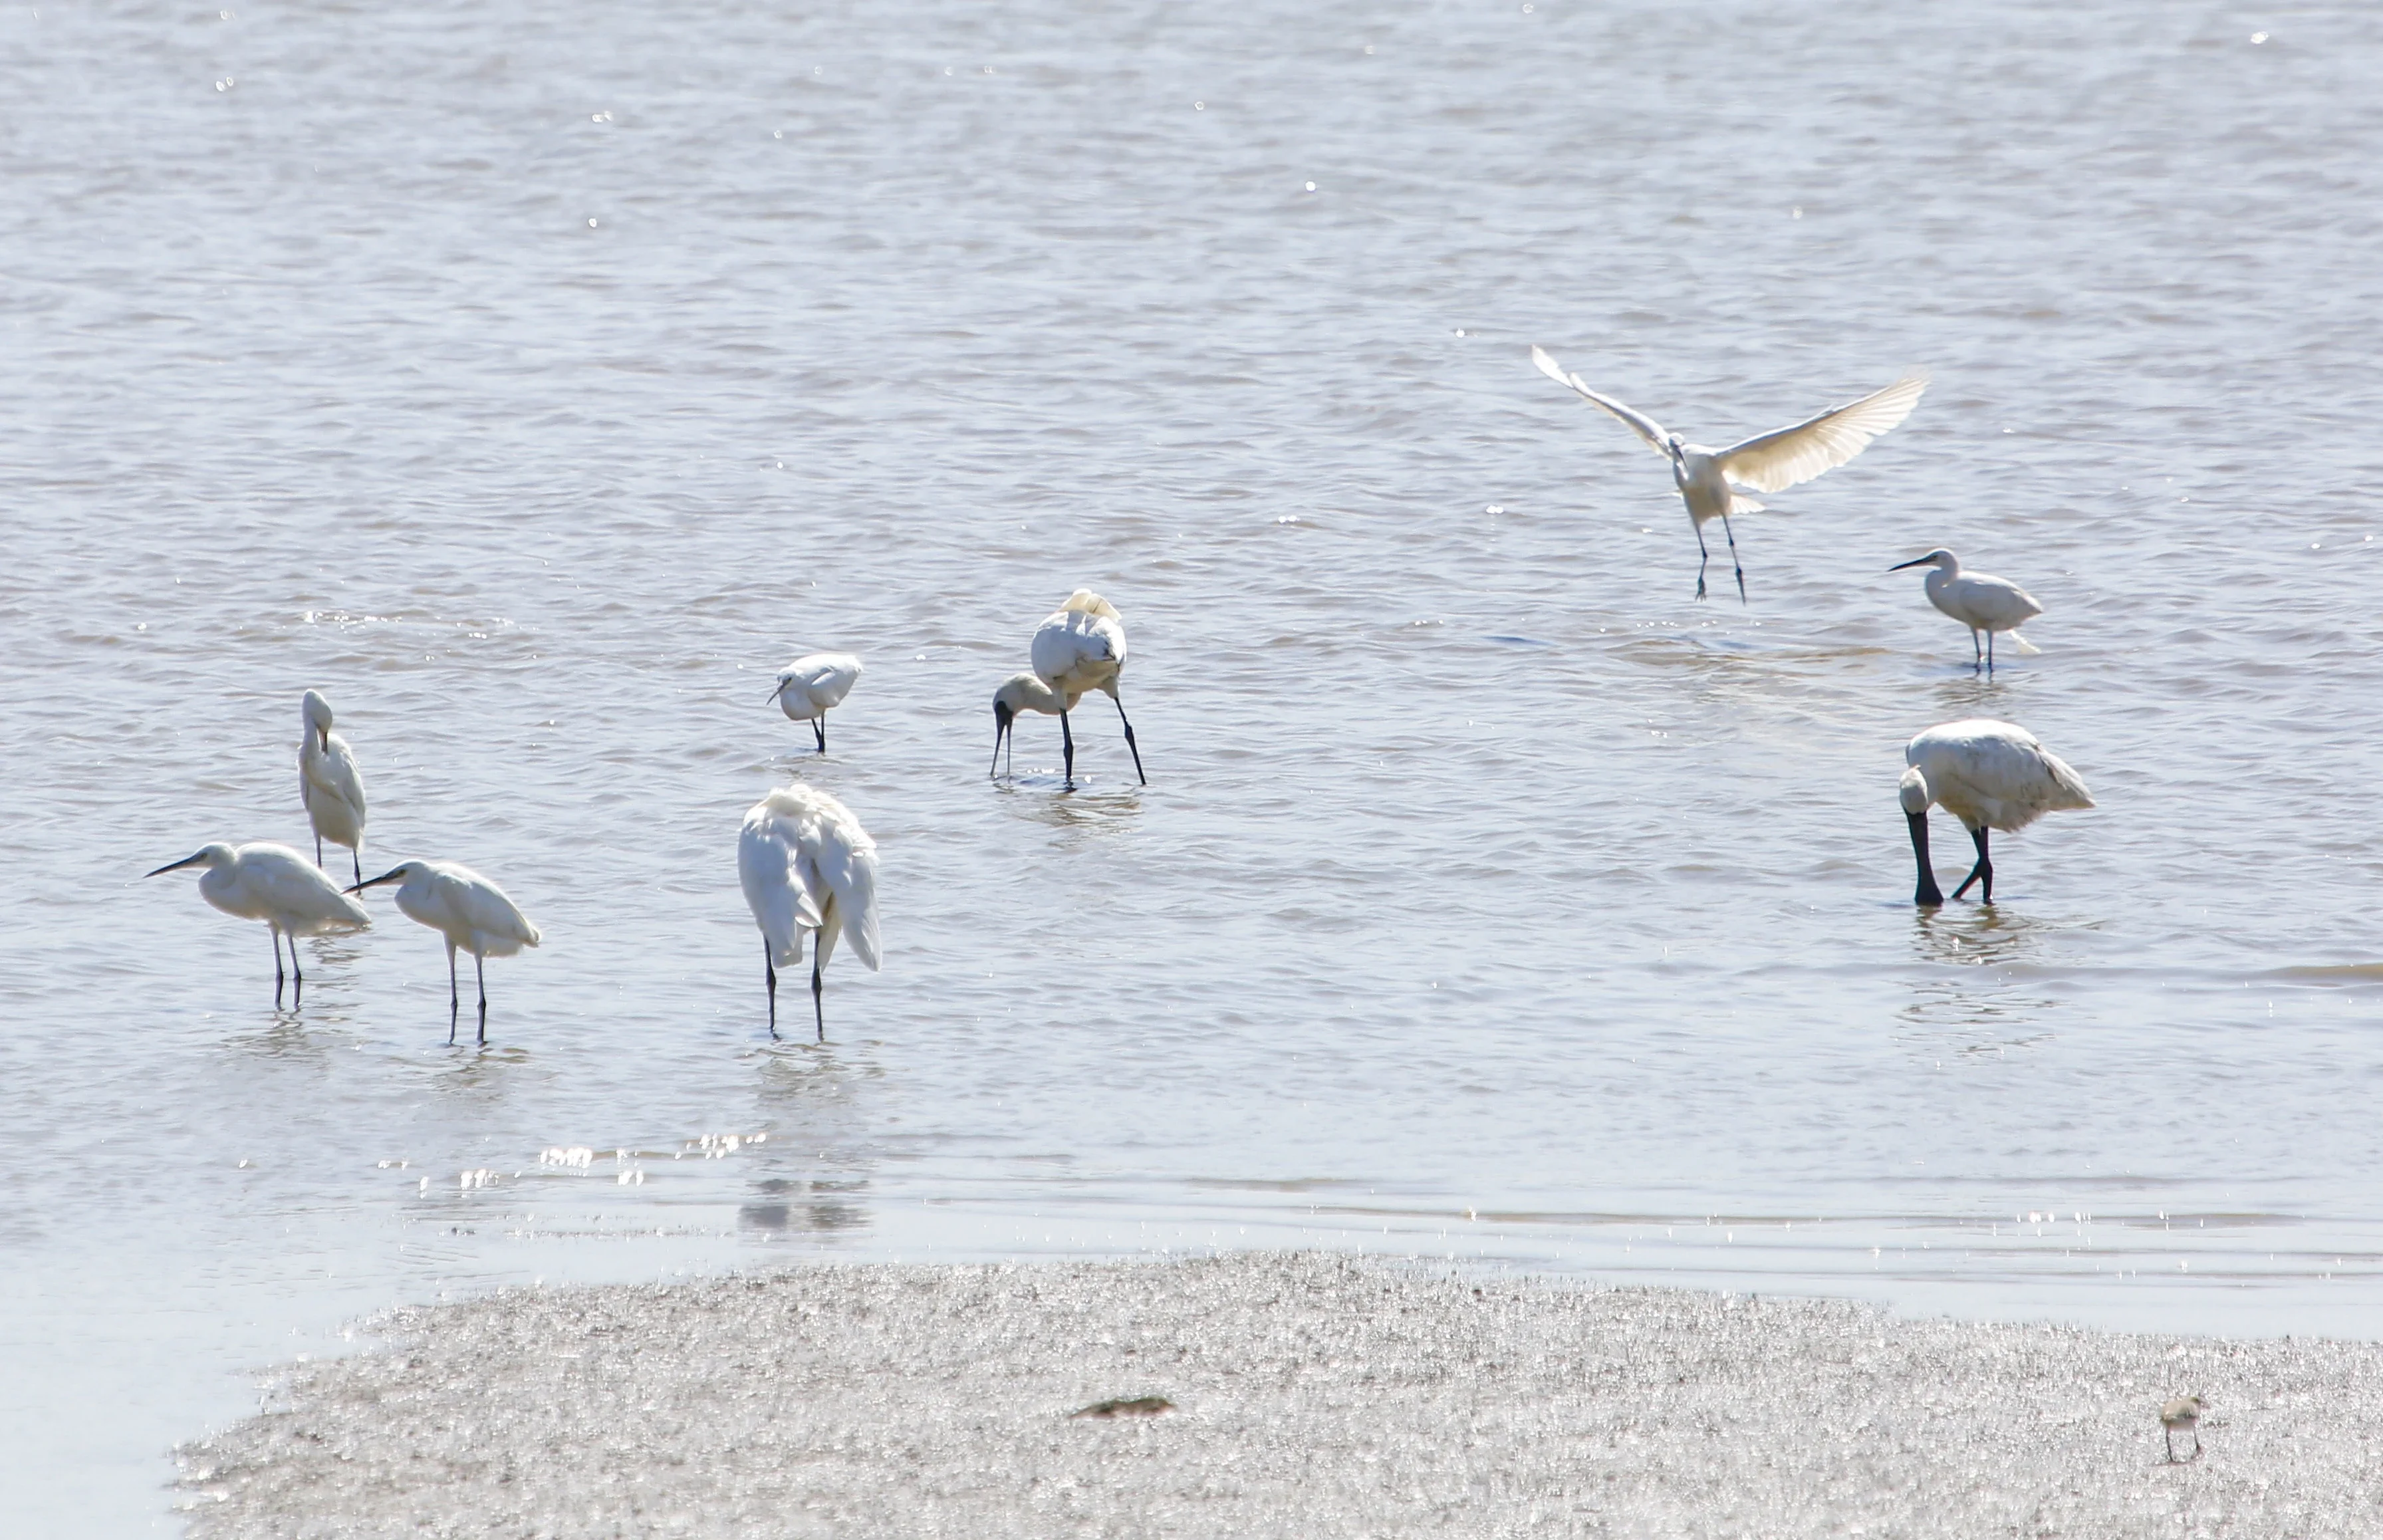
x=1079, y=647
x=808, y=865
x=810, y=685
x=470, y=911
x=329, y=784
x=1766, y=463
x=275, y=884
x=1989, y=775
x=1978, y=602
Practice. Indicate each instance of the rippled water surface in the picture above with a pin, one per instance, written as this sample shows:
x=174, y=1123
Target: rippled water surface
x=534, y=385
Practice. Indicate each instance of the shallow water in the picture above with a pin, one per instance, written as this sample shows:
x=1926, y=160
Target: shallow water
x=534, y=386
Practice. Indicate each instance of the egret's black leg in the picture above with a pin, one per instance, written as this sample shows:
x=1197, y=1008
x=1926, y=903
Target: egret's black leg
x=480, y=973
x=276, y=965
x=1982, y=873
x=1130, y=743
x=1977, y=655
x=297, y=976
x=356, y=859
x=454, y=1001
x=1928, y=895
x=1068, y=740
x=771, y=969
x=1990, y=652
x=1733, y=558
x=1703, y=556
x=819, y=1013
x=818, y=729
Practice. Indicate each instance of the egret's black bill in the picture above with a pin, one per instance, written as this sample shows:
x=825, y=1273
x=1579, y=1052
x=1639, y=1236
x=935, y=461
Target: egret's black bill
x=173, y=865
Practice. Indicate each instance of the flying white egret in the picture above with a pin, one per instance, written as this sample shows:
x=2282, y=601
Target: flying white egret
x=1978, y=602
x=810, y=685
x=329, y=784
x=1767, y=462
x=1988, y=774
x=808, y=865
x=275, y=884
x=1019, y=692
x=470, y=911
x=1080, y=646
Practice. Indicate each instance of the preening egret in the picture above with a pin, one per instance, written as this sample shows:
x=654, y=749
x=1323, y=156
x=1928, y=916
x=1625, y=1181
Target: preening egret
x=1981, y=603
x=329, y=784
x=274, y=883
x=1767, y=462
x=1078, y=648
x=1988, y=774
x=1019, y=692
x=470, y=911
x=808, y=865
x=809, y=686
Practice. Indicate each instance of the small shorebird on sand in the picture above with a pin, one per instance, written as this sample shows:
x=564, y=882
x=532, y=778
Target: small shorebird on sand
x=2183, y=1414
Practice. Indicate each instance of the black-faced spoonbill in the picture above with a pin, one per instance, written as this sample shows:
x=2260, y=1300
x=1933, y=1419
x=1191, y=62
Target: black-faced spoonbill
x=1767, y=462
x=467, y=910
x=810, y=685
x=1078, y=648
x=275, y=884
x=808, y=865
x=1019, y=692
x=1989, y=775
x=1978, y=602
x=329, y=784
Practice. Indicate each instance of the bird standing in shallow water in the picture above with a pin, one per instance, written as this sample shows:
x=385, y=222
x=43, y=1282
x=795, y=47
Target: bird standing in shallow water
x=469, y=911
x=2184, y=1412
x=810, y=685
x=1019, y=692
x=275, y=884
x=329, y=784
x=1766, y=463
x=807, y=865
x=1978, y=602
x=1078, y=648
x=1988, y=774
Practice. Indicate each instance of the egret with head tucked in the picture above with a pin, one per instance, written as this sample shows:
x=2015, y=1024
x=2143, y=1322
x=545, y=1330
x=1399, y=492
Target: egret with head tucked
x=329, y=786
x=807, y=865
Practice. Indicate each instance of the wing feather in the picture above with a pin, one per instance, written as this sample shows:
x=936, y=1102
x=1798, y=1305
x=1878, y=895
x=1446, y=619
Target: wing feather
x=1776, y=460
x=1638, y=421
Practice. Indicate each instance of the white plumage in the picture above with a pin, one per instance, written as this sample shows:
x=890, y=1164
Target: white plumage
x=329, y=786
x=1977, y=600
x=1766, y=463
x=1079, y=647
x=278, y=885
x=807, y=865
x=811, y=685
x=1989, y=775
x=468, y=910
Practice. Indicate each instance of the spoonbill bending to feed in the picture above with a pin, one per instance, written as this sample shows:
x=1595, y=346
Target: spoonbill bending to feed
x=1767, y=462
x=470, y=911
x=808, y=865
x=330, y=785
x=274, y=883
x=1019, y=692
x=1981, y=603
x=809, y=686
x=1989, y=775
x=1080, y=646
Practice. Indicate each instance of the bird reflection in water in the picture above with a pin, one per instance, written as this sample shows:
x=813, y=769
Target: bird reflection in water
x=814, y=1207
x=1098, y=812
x=1992, y=1016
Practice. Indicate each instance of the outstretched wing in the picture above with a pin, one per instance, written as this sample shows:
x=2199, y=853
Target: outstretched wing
x=1640, y=424
x=1774, y=462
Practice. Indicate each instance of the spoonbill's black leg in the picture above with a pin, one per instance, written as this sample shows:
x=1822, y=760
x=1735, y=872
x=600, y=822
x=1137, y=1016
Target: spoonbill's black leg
x=1982, y=873
x=1068, y=740
x=1129, y=740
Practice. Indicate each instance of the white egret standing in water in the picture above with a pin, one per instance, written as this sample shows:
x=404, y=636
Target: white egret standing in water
x=329, y=784
x=1978, y=602
x=807, y=865
x=275, y=884
x=808, y=686
x=1767, y=462
x=1080, y=646
x=469, y=911
x=1989, y=775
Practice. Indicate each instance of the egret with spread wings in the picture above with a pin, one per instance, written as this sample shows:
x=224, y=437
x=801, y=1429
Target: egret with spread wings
x=1767, y=462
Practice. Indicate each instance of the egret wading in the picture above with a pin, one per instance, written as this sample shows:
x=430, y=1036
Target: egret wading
x=1766, y=463
x=808, y=865
x=275, y=884
x=1989, y=775
x=810, y=685
x=1079, y=647
x=329, y=784
x=1978, y=602
x=467, y=910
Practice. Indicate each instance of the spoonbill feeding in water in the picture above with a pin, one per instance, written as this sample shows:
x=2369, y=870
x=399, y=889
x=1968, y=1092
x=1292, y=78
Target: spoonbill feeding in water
x=1989, y=775
x=275, y=884
x=808, y=865
x=470, y=911
x=329, y=784
x=1019, y=692
x=1078, y=647
x=1978, y=602
x=810, y=685
x=1767, y=462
